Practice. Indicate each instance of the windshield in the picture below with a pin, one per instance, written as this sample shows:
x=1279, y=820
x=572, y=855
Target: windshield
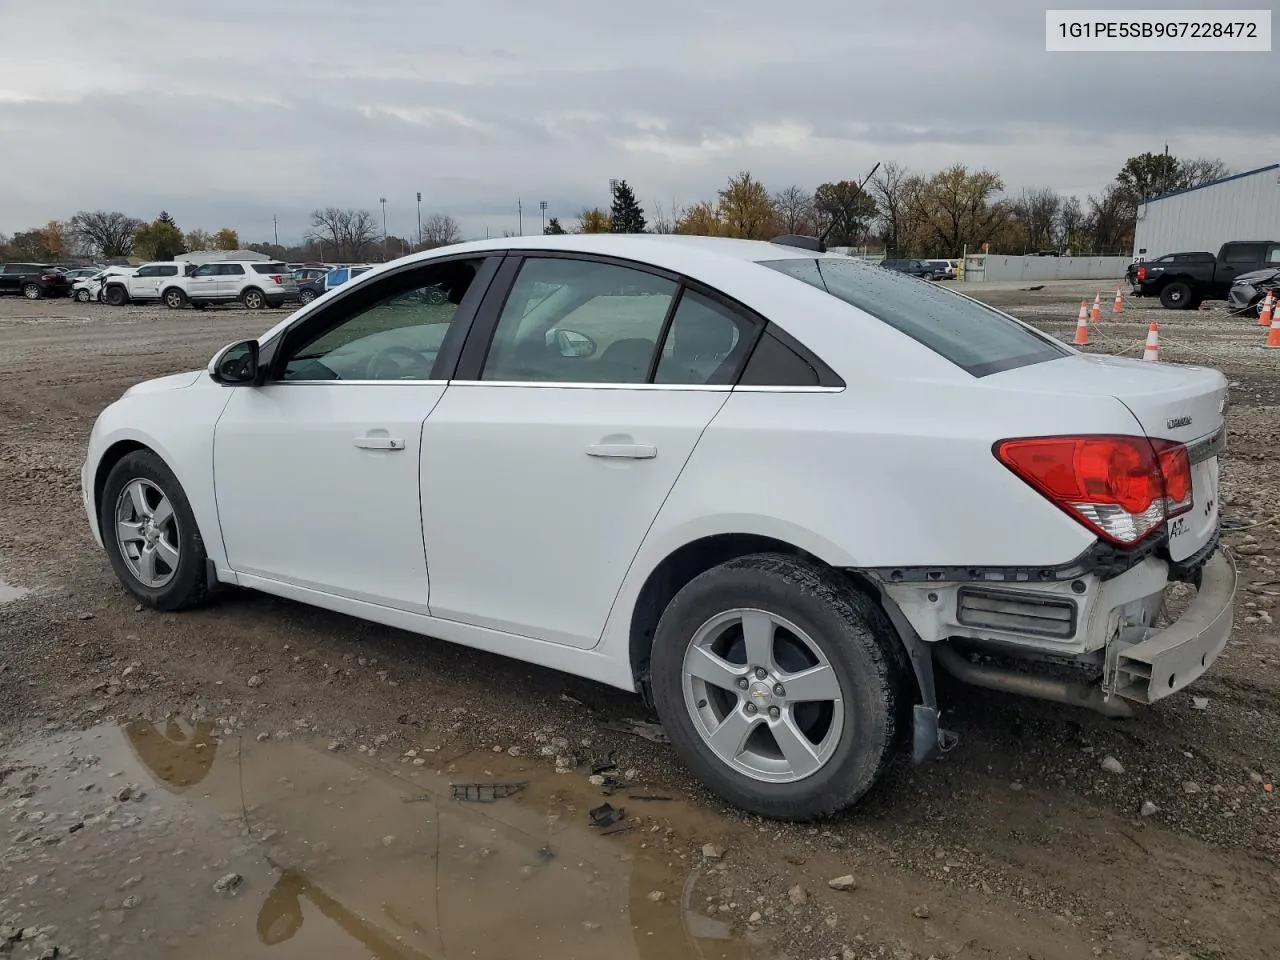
x=974, y=337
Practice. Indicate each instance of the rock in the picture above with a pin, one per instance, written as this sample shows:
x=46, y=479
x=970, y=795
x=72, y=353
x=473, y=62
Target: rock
x=1248, y=549
x=657, y=896
x=596, y=780
x=131, y=882
x=921, y=912
x=711, y=851
x=1199, y=703
x=335, y=746
x=1148, y=809
x=130, y=902
x=755, y=917
x=124, y=793
x=388, y=841
x=50, y=952
x=847, y=882
x=1191, y=787
x=798, y=895
x=848, y=953
x=514, y=751
x=631, y=774
x=1112, y=765
x=264, y=737
x=8, y=933
x=590, y=925
x=85, y=616
x=228, y=884
x=254, y=682
x=497, y=748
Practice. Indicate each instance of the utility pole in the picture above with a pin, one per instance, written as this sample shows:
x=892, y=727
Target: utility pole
x=520, y=216
x=542, y=205
x=275, y=230
x=383, y=201
x=419, y=218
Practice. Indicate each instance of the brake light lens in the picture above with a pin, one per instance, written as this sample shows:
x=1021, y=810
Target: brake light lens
x=276, y=278
x=1122, y=488
x=50, y=276
x=1142, y=274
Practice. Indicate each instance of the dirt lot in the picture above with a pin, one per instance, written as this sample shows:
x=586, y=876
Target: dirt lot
x=300, y=762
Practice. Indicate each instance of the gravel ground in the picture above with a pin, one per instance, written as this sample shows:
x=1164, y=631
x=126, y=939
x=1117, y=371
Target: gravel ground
x=1046, y=833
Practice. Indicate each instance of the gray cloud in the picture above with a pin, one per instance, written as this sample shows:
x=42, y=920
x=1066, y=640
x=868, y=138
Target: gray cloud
x=233, y=114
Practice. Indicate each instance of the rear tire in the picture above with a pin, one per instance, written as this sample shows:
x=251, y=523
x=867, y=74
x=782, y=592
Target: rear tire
x=306, y=296
x=253, y=299
x=136, y=490
x=32, y=291
x=175, y=299
x=1176, y=296
x=817, y=624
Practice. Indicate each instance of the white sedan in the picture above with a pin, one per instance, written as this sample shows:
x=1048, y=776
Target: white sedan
x=767, y=487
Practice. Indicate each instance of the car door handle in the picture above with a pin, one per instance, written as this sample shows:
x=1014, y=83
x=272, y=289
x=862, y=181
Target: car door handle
x=623, y=451
x=379, y=443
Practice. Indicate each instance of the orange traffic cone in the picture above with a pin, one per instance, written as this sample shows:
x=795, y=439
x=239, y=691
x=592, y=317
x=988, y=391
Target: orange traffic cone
x=1082, y=326
x=1268, y=305
x=1118, y=306
x=1152, y=350
x=1096, y=314
x=1273, y=335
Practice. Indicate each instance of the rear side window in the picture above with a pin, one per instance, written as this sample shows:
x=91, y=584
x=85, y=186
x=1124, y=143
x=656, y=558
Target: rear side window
x=167, y=271
x=974, y=337
x=269, y=268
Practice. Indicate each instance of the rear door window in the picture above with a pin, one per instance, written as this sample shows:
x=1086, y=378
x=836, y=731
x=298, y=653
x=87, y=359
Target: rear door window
x=971, y=335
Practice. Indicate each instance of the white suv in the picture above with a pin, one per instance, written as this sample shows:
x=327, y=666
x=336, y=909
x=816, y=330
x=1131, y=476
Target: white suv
x=254, y=283
x=90, y=288
x=143, y=284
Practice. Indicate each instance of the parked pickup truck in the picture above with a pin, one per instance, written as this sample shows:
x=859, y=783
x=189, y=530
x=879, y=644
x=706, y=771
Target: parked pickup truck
x=1183, y=280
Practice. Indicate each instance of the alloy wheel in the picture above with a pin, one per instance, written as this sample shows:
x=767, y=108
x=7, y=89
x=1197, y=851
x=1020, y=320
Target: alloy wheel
x=147, y=533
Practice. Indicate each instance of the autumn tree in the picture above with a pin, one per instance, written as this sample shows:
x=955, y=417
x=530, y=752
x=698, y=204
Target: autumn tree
x=198, y=239
x=553, y=228
x=794, y=207
x=226, y=239
x=159, y=240
x=440, y=230
x=43, y=244
x=846, y=210
x=344, y=234
x=960, y=210
x=746, y=209
x=594, y=220
x=701, y=220
x=106, y=233
x=626, y=215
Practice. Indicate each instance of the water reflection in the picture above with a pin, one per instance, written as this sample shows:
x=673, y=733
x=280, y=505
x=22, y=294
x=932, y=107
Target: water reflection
x=178, y=759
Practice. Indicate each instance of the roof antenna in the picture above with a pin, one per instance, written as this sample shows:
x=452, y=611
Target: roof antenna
x=819, y=243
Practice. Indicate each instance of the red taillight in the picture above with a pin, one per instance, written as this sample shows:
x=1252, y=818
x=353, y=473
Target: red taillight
x=1142, y=274
x=1122, y=488
x=50, y=276
x=276, y=278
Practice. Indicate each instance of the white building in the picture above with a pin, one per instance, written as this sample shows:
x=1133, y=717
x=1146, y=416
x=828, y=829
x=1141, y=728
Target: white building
x=1245, y=206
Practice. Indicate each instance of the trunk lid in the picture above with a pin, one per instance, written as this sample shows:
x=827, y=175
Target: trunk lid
x=1185, y=404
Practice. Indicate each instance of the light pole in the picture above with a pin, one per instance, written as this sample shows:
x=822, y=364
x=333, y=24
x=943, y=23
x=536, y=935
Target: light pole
x=275, y=230
x=520, y=217
x=383, y=201
x=542, y=205
x=419, y=218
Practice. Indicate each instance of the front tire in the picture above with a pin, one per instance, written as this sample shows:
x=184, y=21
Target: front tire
x=150, y=533
x=83, y=296
x=306, y=296
x=115, y=296
x=32, y=291
x=1176, y=296
x=781, y=686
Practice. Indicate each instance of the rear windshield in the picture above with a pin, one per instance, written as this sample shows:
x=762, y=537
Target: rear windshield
x=974, y=337
x=265, y=268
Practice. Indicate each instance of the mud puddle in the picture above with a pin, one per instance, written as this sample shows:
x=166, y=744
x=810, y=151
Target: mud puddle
x=163, y=839
x=11, y=591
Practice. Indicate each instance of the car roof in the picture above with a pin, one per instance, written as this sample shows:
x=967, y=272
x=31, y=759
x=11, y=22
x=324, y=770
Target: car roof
x=642, y=246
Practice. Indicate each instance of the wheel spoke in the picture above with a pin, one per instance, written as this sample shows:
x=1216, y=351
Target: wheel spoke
x=717, y=671
x=128, y=532
x=815, y=684
x=167, y=553
x=137, y=496
x=163, y=512
x=757, y=634
x=728, y=739
x=147, y=564
x=795, y=746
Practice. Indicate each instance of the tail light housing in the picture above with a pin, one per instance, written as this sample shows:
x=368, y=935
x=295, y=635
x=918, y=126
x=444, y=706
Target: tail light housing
x=276, y=278
x=1142, y=273
x=47, y=277
x=1122, y=488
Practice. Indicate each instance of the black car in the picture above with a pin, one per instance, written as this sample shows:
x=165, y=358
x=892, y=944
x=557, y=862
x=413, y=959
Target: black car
x=309, y=289
x=913, y=268
x=34, y=280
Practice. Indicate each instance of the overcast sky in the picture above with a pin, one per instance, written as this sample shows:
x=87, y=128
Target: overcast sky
x=230, y=113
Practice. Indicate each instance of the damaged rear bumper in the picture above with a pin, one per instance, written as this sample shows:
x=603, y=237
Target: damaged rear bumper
x=1145, y=665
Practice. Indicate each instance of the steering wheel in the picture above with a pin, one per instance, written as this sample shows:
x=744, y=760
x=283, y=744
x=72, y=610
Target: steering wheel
x=385, y=365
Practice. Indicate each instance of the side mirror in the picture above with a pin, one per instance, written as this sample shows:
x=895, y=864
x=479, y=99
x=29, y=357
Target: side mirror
x=570, y=343
x=236, y=363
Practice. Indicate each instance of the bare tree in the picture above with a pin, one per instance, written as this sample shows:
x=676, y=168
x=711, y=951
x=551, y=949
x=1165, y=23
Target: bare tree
x=892, y=189
x=1070, y=225
x=1109, y=222
x=1036, y=212
x=1202, y=170
x=347, y=233
x=440, y=230
x=664, y=220
x=795, y=210
x=110, y=233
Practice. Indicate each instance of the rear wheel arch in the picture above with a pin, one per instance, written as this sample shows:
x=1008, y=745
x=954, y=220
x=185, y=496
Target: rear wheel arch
x=685, y=563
